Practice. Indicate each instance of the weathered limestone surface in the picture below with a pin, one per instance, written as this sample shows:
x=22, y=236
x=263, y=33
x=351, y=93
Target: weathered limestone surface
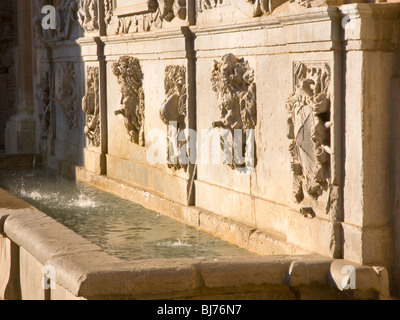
x=313, y=82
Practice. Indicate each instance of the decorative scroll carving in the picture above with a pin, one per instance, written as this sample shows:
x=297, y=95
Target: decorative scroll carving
x=164, y=11
x=130, y=79
x=66, y=92
x=91, y=106
x=233, y=81
x=88, y=14
x=173, y=113
x=309, y=130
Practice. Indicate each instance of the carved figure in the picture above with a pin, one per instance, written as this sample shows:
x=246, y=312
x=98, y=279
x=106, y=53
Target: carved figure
x=174, y=111
x=66, y=93
x=233, y=81
x=88, y=15
x=130, y=77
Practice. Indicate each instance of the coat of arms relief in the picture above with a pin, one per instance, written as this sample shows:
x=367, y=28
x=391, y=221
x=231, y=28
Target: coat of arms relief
x=309, y=109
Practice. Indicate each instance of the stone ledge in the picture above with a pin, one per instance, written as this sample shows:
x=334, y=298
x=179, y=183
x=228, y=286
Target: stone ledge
x=85, y=271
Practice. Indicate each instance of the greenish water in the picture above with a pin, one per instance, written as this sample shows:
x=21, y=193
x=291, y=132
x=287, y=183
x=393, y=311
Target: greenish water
x=122, y=228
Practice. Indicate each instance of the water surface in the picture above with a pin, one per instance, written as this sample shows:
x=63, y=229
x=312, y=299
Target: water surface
x=122, y=228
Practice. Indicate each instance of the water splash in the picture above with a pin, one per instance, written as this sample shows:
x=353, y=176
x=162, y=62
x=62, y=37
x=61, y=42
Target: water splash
x=171, y=244
x=83, y=201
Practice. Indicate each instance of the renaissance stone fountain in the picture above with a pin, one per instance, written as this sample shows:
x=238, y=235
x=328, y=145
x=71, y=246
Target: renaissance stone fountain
x=269, y=124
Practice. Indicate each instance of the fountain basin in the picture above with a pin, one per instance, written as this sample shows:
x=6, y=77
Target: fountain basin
x=31, y=241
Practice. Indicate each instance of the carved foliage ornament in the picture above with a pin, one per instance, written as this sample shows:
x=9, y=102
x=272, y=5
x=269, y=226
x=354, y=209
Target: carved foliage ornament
x=91, y=106
x=173, y=113
x=309, y=130
x=233, y=81
x=130, y=79
x=66, y=92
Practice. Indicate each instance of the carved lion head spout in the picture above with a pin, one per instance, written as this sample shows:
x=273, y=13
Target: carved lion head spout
x=130, y=79
x=233, y=81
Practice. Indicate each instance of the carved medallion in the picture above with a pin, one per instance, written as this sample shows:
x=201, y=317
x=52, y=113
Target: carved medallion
x=130, y=79
x=173, y=113
x=233, y=81
x=91, y=106
x=309, y=129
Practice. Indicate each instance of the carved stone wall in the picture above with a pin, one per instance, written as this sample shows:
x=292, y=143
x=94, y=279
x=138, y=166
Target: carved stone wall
x=288, y=72
x=7, y=66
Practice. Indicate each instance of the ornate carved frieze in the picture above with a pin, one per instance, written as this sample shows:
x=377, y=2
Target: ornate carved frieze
x=130, y=78
x=66, y=96
x=173, y=113
x=255, y=8
x=233, y=81
x=209, y=4
x=159, y=12
x=91, y=106
x=309, y=129
x=88, y=14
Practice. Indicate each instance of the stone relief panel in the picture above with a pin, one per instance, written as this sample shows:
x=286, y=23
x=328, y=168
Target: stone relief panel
x=66, y=96
x=66, y=19
x=233, y=81
x=173, y=113
x=210, y=4
x=158, y=13
x=88, y=14
x=108, y=11
x=44, y=102
x=309, y=130
x=91, y=106
x=130, y=78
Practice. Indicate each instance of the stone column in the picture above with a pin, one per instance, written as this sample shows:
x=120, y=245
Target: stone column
x=20, y=129
x=369, y=64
